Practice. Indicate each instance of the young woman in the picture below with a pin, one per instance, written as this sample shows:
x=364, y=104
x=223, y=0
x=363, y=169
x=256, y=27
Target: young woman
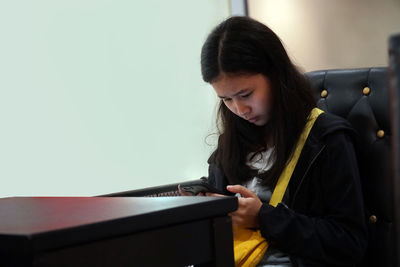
x=265, y=105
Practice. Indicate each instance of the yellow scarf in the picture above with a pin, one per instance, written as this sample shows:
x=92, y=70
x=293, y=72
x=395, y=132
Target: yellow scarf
x=249, y=245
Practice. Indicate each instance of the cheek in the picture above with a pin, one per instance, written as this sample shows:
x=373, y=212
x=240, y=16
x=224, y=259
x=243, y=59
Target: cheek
x=264, y=105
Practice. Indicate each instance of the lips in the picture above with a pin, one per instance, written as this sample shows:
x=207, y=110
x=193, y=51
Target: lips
x=254, y=119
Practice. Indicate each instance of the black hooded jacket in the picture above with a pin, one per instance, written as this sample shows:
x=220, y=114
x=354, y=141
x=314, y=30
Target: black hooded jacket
x=323, y=223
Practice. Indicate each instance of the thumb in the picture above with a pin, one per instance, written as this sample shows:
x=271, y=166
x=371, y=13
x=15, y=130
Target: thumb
x=241, y=190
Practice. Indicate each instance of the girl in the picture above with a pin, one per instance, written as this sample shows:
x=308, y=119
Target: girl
x=265, y=106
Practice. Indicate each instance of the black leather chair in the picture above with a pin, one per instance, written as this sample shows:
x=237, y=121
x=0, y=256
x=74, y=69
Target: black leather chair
x=361, y=97
x=394, y=85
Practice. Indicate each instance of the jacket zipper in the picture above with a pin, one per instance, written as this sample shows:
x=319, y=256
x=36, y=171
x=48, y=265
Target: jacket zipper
x=304, y=175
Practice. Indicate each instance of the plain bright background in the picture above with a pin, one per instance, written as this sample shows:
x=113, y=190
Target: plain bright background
x=103, y=96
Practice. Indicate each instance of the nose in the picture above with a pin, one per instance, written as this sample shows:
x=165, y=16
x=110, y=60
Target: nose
x=242, y=109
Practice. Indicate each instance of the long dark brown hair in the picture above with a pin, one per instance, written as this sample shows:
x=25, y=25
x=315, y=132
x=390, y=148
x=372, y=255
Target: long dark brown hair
x=241, y=45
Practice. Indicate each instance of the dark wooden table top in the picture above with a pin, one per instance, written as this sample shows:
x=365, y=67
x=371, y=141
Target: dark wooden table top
x=41, y=223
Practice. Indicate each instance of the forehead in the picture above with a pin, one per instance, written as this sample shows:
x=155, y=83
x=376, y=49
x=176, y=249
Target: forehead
x=230, y=84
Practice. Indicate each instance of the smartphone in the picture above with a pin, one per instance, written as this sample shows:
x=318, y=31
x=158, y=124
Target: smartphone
x=200, y=186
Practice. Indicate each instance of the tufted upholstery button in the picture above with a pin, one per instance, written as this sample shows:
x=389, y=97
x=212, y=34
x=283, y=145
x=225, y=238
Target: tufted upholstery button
x=373, y=219
x=366, y=109
x=366, y=90
x=324, y=93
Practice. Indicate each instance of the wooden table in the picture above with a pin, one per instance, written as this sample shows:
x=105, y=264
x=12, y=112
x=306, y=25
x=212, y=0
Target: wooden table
x=116, y=231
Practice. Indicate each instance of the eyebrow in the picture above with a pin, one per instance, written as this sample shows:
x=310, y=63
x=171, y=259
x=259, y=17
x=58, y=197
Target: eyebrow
x=238, y=93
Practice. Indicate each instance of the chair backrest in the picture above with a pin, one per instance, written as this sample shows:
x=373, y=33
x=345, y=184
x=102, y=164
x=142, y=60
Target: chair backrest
x=394, y=86
x=361, y=97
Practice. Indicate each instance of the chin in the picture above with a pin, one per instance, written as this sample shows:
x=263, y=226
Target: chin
x=261, y=122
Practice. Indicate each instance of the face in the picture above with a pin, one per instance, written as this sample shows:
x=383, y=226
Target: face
x=248, y=96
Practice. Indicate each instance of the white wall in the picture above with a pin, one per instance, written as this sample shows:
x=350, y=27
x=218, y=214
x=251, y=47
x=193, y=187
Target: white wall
x=103, y=96
x=323, y=34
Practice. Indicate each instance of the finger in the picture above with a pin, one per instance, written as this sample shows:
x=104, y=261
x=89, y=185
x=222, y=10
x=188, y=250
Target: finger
x=183, y=192
x=241, y=190
x=214, y=195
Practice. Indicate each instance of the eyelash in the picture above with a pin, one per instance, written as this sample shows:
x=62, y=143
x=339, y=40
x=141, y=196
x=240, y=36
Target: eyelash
x=242, y=96
x=246, y=95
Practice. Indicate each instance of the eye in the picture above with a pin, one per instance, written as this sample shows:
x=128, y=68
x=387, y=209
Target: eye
x=246, y=95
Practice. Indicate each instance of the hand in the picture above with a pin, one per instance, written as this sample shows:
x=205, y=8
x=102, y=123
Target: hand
x=246, y=215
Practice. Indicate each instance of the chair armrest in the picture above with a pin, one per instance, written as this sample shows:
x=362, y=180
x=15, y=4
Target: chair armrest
x=156, y=191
